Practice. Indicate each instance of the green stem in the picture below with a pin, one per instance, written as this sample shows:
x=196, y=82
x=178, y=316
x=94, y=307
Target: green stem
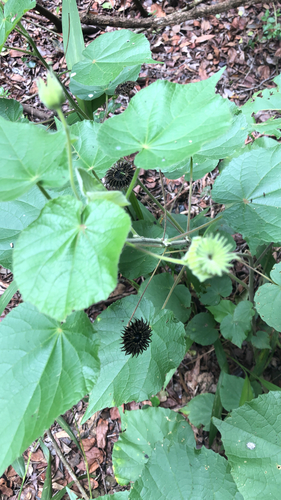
x=173, y=287
x=132, y=184
x=24, y=33
x=190, y=193
x=196, y=229
x=158, y=257
x=259, y=259
x=44, y=192
x=156, y=242
x=174, y=222
x=19, y=50
x=25, y=472
x=69, y=152
x=234, y=278
x=251, y=280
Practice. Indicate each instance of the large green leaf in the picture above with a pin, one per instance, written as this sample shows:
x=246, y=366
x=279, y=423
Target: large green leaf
x=124, y=378
x=67, y=259
x=46, y=367
x=105, y=59
x=73, y=41
x=140, y=431
x=10, y=109
x=11, y=15
x=175, y=471
x=251, y=184
x=16, y=216
x=29, y=154
x=251, y=438
x=167, y=123
x=268, y=299
x=85, y=145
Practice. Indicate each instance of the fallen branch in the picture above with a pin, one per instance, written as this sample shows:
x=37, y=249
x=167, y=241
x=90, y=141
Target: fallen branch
x=37, y=113
x=160, y=22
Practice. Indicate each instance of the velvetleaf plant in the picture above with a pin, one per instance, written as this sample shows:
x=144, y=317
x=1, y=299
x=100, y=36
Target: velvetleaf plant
x=66, y=237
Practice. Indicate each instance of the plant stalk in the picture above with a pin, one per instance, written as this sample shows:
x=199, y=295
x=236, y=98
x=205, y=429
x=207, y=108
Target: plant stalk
x=174, y=222
x=69, y=152
x=190, y=194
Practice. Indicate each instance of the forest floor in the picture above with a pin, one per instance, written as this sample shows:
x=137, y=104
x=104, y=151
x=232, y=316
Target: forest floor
x=190, y=52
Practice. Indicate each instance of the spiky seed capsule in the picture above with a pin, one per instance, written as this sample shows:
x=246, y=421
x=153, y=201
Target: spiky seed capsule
x=124, y=88
x=120, y=175
x=136, y=337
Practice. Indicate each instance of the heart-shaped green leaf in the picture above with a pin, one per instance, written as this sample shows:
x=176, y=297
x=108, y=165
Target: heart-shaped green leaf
x=45, y=368
x=251, y=183
x=112, y=55
x=70, y=255
x=29, y=154
x=167, y=123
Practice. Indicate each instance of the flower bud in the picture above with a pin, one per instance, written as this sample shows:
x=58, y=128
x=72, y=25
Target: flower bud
x=52, y=94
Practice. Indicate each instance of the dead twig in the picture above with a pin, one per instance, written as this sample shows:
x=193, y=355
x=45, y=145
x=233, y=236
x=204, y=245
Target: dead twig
x=66, y=464
x=171, y=19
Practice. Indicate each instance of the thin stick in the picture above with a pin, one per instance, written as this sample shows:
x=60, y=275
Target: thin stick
x=144, y=291
x=66, y=464
x=173, y=287
x=165, y=210
x=234, y=278
x=84, y=454
x=25, y=472
x=190, y=193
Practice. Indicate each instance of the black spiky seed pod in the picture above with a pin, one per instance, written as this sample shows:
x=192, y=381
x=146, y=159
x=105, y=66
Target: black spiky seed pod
x=124, y=88
x=120, y=175
x=136, y=337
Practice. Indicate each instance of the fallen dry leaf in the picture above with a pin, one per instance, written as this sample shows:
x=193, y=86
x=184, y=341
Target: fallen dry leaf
x=88, y=443
x=203, y=38
x=101, y=433
x=114, y=413
x=156, y=10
